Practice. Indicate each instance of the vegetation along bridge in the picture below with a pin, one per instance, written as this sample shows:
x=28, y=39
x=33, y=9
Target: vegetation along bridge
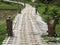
x=27, y=29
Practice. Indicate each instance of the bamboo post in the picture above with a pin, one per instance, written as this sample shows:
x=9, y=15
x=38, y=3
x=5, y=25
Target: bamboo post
x=9, y=26
x=51, y=27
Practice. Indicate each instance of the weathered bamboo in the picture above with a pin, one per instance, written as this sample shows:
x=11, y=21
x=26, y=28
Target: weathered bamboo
x=9, y=26
x=51, y=27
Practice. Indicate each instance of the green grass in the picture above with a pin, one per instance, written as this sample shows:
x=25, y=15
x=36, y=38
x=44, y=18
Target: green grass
x=3, y=28
x=3, y=31
x=2, y=37
x=6, y=5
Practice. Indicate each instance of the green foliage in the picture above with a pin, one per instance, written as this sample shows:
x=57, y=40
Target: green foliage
x=3, y=28
x=53, y=13
x=2, y=37
x=3, y=31
x=58, y=29
x=51, y=39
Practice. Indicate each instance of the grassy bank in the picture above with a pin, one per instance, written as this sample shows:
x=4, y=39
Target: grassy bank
x=9, y=5
x=7, y=9
x=3, y=30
